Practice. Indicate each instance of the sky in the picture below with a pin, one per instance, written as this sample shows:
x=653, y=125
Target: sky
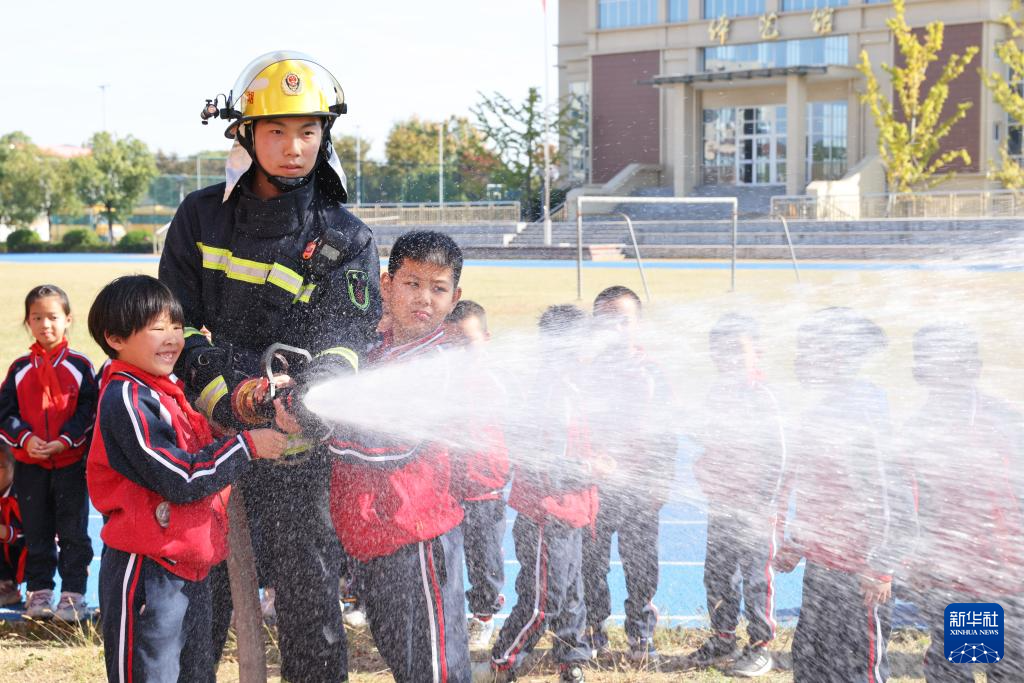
x=161, y=61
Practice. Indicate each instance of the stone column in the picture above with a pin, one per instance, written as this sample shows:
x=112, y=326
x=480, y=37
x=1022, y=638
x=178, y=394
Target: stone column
x=684, y=138
x=796, y=134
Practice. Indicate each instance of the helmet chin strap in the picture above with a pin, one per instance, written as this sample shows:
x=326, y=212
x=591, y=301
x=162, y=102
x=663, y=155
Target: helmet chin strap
x=284, y=183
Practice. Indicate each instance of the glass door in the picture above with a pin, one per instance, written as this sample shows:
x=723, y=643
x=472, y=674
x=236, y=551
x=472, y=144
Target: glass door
x=761, y=146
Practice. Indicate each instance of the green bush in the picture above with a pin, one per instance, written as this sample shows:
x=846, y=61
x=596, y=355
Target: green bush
x=80, y=239
x=24, y=241
x=136, y=242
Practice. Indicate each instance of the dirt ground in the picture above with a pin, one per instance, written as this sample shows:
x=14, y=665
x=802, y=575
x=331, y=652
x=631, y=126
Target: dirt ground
x=45, y=653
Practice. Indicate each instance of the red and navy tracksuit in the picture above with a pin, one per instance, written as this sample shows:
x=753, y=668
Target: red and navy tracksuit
x=630, y=426
x=161, y=483
x=479, y=476
x=394, y=512
x=556, y=502
x=12, y=546
x=51, y=395
x=964, y=454
x=740, y=473
x=853, y=509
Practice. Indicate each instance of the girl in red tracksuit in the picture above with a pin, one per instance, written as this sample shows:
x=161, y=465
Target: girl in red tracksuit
x=47, y=406
x=12, y=543
x=555, y=498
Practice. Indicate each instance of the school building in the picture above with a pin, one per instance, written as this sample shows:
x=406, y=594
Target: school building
x=726, y=96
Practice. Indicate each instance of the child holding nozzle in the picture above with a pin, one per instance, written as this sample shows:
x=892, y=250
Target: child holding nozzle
x=161, y=482
x=852, y=503
x=631, y=428
x=554, y=495
x=963, y=451
x=479, y=476
x=740, y=473
x=391, y=498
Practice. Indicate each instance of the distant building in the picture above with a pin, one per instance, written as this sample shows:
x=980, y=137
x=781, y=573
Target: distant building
x=758, y=92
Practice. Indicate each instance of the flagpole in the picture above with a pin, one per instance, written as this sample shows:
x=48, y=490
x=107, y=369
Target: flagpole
x=547, y=129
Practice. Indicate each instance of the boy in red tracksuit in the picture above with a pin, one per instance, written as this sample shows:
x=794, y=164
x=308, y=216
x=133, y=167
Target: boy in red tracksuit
x=740, y=473
x=391, y=499
x=160, y=481
x=556, y=501
x=963, y=451
x=47, y=407
x=12, y=545
x=853, y=506
x=632, y=426
x=479, y=476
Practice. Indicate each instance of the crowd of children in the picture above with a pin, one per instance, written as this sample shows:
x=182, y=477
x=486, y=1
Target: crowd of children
x=869, y=513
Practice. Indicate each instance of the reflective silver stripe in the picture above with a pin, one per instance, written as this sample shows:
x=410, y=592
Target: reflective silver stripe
x=247, y=271
x=285, y=278
x=211, y=393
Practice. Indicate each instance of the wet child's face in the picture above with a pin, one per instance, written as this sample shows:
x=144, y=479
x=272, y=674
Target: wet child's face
x=469, y=332
x=418, y=296
x=154, y=348
x=619, y=317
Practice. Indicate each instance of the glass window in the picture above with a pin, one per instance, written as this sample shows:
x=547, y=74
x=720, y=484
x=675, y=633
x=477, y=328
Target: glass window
x=621, y=13
x=804, y=52
x=798, y=5
x=732, y=8
x=578, y=134
x=826, y=140
x=678, y=10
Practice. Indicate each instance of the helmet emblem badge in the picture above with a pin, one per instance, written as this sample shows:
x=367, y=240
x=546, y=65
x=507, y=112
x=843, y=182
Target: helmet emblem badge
x=291, y=84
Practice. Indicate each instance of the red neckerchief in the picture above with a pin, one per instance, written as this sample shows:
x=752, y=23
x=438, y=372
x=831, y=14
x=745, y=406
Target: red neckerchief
x=386, y=352
x=45, y=362
x=191, y=426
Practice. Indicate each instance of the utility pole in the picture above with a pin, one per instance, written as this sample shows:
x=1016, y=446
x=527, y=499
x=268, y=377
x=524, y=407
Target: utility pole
x=103, y=103
x=440, y=166
x=544, y=139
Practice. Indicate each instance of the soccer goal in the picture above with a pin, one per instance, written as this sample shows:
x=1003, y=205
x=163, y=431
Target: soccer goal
x=729, y=215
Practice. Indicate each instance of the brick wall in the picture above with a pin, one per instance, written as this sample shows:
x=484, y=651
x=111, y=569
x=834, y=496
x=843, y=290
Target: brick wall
x=626, y=116
x=967, y=133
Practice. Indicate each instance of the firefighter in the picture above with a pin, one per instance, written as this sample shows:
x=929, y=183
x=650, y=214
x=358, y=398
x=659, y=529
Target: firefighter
x=272, y=256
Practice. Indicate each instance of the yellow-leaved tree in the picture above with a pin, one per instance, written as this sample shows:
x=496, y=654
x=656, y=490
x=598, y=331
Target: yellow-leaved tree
x=910, y=137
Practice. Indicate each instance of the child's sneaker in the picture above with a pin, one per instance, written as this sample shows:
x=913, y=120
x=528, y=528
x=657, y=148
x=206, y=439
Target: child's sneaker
x=39, y=605
x=755, y=661
x=642, y=653
x=9, y=593
x=480, y=632
x=353, y=614
x=570, y=673
x=484, y=672
x=70, y=607
x=267, y=607
x=714, y=650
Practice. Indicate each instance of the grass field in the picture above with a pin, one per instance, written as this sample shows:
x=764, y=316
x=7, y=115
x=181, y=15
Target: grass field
x=685, y=304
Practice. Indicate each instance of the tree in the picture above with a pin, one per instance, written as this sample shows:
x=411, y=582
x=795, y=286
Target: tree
x=116, y=175
x=57, y=180
x=411, y=150
x=1007, y=92
x=21, y=193
x=516, y=133
x=909, y=140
